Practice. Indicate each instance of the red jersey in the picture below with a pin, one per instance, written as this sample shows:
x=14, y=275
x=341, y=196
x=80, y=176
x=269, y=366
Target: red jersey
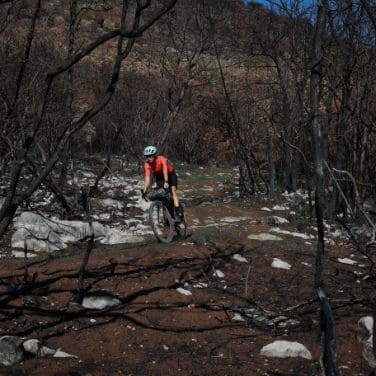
x=159, y=166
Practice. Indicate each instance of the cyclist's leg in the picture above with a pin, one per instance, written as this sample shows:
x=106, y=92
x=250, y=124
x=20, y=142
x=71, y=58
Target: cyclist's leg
x=175, y=197
x=173, y=182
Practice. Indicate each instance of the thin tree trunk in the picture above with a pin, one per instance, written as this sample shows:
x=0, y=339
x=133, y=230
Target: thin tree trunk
x=271, y=166
x=85, y=199
x=328, y=340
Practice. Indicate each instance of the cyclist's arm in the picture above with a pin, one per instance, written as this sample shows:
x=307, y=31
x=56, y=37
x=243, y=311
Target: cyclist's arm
x=165, y=173
x=147, y=177
x=147, y=183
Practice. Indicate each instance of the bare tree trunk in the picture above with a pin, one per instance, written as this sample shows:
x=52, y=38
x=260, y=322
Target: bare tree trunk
x=69, y=99
x=328, y=340
x=85, y=199
x=374, y=327
x=247, y=185
x=271, y=166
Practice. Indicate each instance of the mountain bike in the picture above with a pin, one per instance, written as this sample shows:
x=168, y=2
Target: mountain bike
x=162, y=216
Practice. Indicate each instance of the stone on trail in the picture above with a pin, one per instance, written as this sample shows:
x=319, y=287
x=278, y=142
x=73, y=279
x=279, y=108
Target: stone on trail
x=296, y=234
x=280, y=207
x=239, y=258
x=346, y=261
x=279, y=264
x=182, y=291
x=20, y=254
x=100, y=300
x=218, y=273
x=277, y=220
x=286, y=349
x=32, y=346
x=11, y=351
x=62, y=354
x=264, y=236
x=238, y=317
x=365, y=337
x=49, y=234
x=44, y=351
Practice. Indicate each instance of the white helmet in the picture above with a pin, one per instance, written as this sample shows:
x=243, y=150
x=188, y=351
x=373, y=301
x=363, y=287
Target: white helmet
x=150, y=150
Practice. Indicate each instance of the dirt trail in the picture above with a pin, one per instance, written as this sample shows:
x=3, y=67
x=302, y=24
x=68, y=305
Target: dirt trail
x=183, y=305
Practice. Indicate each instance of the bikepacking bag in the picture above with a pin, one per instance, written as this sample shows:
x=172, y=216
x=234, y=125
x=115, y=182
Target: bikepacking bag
x=158, y=194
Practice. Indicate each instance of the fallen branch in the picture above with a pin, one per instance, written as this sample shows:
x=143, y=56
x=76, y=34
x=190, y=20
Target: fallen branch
x=358, y=203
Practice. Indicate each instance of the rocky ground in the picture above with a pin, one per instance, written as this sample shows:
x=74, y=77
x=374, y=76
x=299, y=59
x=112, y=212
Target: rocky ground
x=208, y=304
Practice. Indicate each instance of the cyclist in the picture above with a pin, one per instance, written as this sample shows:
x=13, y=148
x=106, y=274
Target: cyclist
x=164, y=173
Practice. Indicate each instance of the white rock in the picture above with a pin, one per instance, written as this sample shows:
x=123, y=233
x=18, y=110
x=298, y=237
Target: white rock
x=264, y=236
x=46, y=351
x=296, y=234
x=239, y=258
x=280, y=207
x=279, y=264
x=116, y=236
x=20, y=254
x=238, y=317
x=54, y=232
x=100, y=302
x=207, y=188
x=200, y=285
x=32, y=345
x=365, y=337
x=285, y=349
x=233, y=219
x=278, y=220
x=62, y=354
x=367, y=323
x=347, y=261
x=266, y=209
x=10, y=350
x=33, y=238
x=218, y=273
x=182, y=291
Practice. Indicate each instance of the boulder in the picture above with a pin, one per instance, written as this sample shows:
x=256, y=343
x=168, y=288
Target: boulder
x=11, y=351
x=365, y=337
x=286, y=349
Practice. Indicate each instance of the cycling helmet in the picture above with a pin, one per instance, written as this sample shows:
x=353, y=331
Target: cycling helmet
x=150, y=150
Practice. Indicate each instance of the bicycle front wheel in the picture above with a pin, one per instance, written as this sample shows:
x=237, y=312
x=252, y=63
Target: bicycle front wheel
x=161, y=222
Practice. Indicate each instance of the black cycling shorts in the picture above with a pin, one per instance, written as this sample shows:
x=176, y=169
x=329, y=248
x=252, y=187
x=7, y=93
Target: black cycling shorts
x=172, y=179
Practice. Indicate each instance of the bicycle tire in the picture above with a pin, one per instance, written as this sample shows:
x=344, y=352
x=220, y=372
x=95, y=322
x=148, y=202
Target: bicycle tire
x=181, y=227
x=161, y=222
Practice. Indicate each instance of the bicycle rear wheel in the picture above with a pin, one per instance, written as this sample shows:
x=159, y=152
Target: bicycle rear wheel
x=161, y=222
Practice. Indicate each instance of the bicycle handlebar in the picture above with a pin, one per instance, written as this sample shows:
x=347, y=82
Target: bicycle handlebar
x=150, y=197
x=143, y=195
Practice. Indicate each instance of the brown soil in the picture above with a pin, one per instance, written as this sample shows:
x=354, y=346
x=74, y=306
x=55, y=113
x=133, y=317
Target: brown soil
x=158, y=331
